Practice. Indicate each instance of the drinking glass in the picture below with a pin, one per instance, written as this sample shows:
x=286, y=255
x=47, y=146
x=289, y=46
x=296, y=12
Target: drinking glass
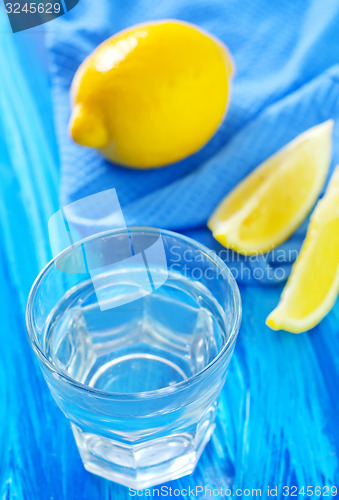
x=134, y=330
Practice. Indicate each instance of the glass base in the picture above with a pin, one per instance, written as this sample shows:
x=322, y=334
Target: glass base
x=144, y=465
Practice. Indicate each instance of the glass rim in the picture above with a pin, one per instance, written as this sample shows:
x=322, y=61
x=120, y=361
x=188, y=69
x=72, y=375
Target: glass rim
x=163, y=391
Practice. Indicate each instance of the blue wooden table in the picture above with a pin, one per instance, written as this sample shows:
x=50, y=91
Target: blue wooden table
x=278, y=419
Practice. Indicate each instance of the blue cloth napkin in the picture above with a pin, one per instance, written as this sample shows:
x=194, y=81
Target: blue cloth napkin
x=286, y=80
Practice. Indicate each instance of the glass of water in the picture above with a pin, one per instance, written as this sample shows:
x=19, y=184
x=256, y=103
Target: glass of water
x=134, y=331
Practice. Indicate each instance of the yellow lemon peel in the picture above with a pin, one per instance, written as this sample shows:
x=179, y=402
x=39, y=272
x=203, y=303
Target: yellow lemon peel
x=152, y=94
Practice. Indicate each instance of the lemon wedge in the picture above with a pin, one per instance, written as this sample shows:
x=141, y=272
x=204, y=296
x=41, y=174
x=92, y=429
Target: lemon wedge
x=271, y=202
x=313, y=285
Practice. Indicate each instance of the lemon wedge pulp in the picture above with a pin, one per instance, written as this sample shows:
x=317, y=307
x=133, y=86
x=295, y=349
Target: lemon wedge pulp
x=271, y=202
x=313, y=285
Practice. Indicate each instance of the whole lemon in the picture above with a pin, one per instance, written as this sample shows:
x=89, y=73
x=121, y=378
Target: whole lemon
x=151, y=94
